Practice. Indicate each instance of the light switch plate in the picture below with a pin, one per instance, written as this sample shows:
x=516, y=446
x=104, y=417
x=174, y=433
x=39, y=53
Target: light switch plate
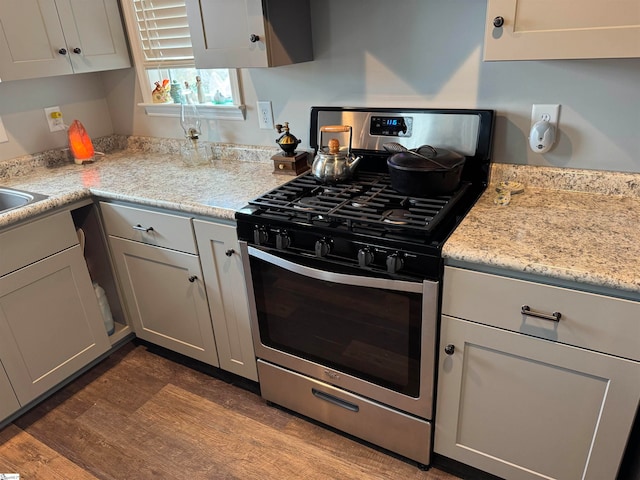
x=3, y=133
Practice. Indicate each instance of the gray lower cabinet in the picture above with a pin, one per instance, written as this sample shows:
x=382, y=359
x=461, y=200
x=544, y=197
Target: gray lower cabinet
x=227, y=294
x=526, y=396
x=161, y=281
x=50, y=322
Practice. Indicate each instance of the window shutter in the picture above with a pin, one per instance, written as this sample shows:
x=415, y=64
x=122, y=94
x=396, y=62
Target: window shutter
x=164, y=33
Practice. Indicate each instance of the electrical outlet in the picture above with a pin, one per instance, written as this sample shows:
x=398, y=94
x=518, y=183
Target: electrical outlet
x=549, y=113
x=265, y=115
x=54, y=118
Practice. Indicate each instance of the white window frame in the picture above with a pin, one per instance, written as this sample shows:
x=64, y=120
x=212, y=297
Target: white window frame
x=236, y=111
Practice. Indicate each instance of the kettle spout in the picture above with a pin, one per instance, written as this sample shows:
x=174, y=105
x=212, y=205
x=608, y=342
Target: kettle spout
x=353, y=162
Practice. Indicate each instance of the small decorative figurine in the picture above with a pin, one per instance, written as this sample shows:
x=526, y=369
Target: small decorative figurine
x=290, y=162
x=161, y=93
x=199, y=89
x=175, y=92
x=287, y=141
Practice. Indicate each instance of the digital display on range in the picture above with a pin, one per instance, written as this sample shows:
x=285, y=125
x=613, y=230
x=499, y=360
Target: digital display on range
x=390, y=126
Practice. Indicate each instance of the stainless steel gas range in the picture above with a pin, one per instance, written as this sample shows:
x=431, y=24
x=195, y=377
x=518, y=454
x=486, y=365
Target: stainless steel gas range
x=344, y=278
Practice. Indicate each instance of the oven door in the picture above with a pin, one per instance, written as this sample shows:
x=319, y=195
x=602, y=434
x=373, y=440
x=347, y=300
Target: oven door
x=371, y=336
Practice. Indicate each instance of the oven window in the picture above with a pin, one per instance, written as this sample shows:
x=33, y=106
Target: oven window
x=370, y=333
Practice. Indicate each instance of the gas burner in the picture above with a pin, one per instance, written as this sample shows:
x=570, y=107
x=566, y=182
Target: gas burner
x=360, y=201
x=305, y=203
x=396, y=216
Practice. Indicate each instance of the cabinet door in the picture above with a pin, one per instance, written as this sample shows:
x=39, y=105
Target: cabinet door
x=249, y=33
x=50, y=323
x=94, y=34
x=227, y=293
x=542, y=29
x=8, y=401
x=33, y=33
x=166, y=299
x=524, y=408
x=30, y=39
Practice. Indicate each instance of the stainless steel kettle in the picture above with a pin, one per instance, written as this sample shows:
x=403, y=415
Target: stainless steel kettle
x=330, y=165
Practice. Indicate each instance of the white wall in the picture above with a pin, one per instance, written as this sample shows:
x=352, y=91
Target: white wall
x=428, y=53
x=425, y=53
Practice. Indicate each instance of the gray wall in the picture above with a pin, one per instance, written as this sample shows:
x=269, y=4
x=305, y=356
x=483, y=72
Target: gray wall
x=425, y=53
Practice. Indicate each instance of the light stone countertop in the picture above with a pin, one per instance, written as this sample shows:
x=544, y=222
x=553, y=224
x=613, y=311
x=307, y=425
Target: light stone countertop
x=572, y=225
x=152, y=178
x=560, y=227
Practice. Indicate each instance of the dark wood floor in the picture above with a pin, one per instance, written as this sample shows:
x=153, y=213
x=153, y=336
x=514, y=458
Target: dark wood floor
x=138, y=415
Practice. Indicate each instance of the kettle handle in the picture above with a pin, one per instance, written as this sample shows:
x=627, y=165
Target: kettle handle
x=335, y=128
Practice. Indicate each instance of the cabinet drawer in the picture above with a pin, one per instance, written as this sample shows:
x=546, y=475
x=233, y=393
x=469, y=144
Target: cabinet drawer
x=403, y=434
x=36, y=240
x=597, y=322
x=150, y=227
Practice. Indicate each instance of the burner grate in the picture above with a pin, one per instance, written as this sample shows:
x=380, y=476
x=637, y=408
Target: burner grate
x=365, y=201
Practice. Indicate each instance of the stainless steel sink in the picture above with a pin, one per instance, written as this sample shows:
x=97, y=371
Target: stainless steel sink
x=11, y=198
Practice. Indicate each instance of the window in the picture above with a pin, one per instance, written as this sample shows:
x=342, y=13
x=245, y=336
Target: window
x=161, y=48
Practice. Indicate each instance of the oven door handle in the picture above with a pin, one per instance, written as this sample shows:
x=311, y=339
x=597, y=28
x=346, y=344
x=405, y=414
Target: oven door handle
x=341, y=278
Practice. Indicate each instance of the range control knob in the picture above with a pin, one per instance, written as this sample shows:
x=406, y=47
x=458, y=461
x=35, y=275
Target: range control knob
x=260, y=235
x=365, y=256
x=323, y=247
x=395, y=262
x=283, y=240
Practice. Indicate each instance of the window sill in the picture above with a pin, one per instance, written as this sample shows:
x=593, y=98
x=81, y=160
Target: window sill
x=207, y=111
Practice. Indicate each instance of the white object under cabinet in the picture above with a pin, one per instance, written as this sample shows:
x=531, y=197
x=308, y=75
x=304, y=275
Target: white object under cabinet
x=227, y=293
x=561, y=29
x=549, y=393
x=43, y=38
x=159, y=272
x=50, y=322
x=249, y=33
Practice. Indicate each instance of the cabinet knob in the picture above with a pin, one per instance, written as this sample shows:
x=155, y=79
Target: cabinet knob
x=62, y=51
x=77, y=50
x=498, y=22
x=253, y=38
x=193, y=278
x=229, y=252
x=449, y=349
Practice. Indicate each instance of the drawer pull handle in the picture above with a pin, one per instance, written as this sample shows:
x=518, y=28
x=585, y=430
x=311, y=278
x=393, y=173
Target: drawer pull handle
x=335, y=400
x=554, y=317
x=143, y=229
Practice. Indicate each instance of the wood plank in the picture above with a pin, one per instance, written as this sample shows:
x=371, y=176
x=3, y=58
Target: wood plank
x=23, y=454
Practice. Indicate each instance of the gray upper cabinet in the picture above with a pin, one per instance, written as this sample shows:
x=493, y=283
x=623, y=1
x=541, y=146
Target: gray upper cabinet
x=43, y=38
x=562, y=29
x=250, y=33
